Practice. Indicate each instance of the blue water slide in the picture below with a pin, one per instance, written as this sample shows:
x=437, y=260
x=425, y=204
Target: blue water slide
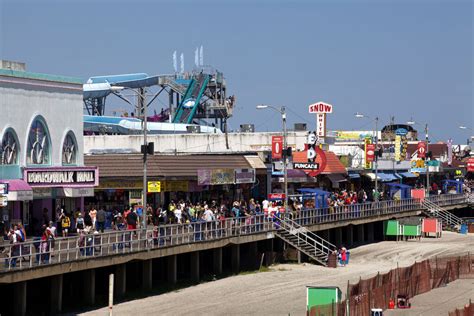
x=190, y=101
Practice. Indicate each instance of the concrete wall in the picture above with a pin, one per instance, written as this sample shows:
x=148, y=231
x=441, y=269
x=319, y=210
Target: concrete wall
x=62, y=112
x=192, y=143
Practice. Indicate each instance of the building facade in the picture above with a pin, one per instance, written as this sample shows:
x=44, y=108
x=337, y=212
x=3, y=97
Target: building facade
x=41, y=152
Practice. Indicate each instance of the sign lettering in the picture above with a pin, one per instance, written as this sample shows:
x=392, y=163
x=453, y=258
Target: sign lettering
x=320, y=107
x=66, y=176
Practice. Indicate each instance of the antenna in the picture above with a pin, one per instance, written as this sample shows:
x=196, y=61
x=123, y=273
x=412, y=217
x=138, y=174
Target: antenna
x=201, y=56
x=196, y=57
x=182, y=63
x=175, y=62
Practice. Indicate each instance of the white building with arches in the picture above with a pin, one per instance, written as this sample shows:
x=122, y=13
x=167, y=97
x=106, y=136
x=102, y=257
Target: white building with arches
x=41, y=146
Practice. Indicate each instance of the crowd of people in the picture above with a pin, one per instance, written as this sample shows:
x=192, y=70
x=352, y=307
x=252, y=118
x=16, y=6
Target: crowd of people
x=93, y=221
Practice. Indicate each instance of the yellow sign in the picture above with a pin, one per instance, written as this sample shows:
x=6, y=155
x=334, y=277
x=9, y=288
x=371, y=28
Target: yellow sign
x=175, y=186
x=154, y=186
x=119, y=184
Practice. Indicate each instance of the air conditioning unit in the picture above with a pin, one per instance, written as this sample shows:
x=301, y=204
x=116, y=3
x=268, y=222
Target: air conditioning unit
x=193, y=129
x=247, y=128
x=300, y=127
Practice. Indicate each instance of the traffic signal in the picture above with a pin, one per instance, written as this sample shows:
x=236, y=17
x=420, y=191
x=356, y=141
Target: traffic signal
x=148, y=149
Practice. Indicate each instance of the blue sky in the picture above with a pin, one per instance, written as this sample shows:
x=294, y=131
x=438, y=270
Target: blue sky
x=401, y=58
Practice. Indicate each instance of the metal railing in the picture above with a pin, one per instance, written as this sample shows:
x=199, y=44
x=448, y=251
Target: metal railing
x=448, y=218
x=294, y=227
x=306, y=241
x=35, y=253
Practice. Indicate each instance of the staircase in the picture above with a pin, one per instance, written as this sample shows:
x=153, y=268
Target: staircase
x=173, y=85
x=304, y=240
x=449, y=220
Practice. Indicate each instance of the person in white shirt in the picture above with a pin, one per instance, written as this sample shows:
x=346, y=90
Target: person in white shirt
x=178, y=213
x=51, y=235
x=208, y=216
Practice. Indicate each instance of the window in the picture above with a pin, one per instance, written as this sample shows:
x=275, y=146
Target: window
x=39, y=144
x=69, y=149
x=10, y=148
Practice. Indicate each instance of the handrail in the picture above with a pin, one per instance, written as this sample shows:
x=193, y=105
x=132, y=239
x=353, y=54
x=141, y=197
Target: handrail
x=322, y=240
x=22, y=255
x=448, y=217
x=297, y=233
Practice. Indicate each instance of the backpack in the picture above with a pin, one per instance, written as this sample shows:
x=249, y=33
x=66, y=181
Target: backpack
x=132, y=218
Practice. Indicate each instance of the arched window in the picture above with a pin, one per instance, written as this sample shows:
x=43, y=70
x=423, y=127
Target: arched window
x=39, y=144
x=10, y=148
x=69, y=149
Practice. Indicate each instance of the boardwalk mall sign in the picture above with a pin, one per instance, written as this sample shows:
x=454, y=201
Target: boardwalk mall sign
x=61, y=177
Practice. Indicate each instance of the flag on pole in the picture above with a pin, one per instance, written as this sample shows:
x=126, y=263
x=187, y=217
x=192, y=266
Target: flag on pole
x=201, y=56
x=175, y=62
x=196, y=57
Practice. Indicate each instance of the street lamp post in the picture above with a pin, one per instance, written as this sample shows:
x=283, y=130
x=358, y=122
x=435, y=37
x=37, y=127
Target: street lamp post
x=427, y=166
x=376, y=120
x=427, y=140
x=282, y=111
x=467, y=128
x=142, y=107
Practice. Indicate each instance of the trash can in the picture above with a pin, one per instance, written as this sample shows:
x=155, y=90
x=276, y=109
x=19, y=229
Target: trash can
x=463, y=229
x=332, y=260
x=348, y=254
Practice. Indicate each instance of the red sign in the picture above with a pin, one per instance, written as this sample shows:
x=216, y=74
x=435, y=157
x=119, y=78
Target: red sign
x=470, y=165
x=276, y=196
x=277, y=147
x=321, y=160
x=320, y=107
x=421, y=151
x=370, y=152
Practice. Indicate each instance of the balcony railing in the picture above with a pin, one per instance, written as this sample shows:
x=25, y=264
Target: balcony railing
x=30, y=254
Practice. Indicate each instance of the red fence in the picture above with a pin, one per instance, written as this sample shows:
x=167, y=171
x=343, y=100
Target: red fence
x=467, y=310
x=419, y=278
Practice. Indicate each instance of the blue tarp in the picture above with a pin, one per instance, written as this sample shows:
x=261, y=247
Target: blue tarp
x=452, y=183
x=405, y=190
x=386, y=177
x=408, y=175
x=319, y=196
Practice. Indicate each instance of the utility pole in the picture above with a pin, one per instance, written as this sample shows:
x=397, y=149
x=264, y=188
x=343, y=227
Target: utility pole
x=426, y=160
x=376, y=156
x=143, y=108
x=285, y=155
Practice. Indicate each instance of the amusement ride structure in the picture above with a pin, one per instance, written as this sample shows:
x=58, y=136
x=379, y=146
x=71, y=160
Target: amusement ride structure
x=197, y=102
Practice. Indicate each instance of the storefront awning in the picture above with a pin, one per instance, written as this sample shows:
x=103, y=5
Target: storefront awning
x=168, y=166
x=255, y=162
x=19, y=190
x=75, y=192
x=408, y=175
x=384, y=177
x=336, y=178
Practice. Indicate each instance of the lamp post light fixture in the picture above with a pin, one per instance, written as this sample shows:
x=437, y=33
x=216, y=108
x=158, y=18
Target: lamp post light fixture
x=282, y=111
x=376, y=133
x=142, y=107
